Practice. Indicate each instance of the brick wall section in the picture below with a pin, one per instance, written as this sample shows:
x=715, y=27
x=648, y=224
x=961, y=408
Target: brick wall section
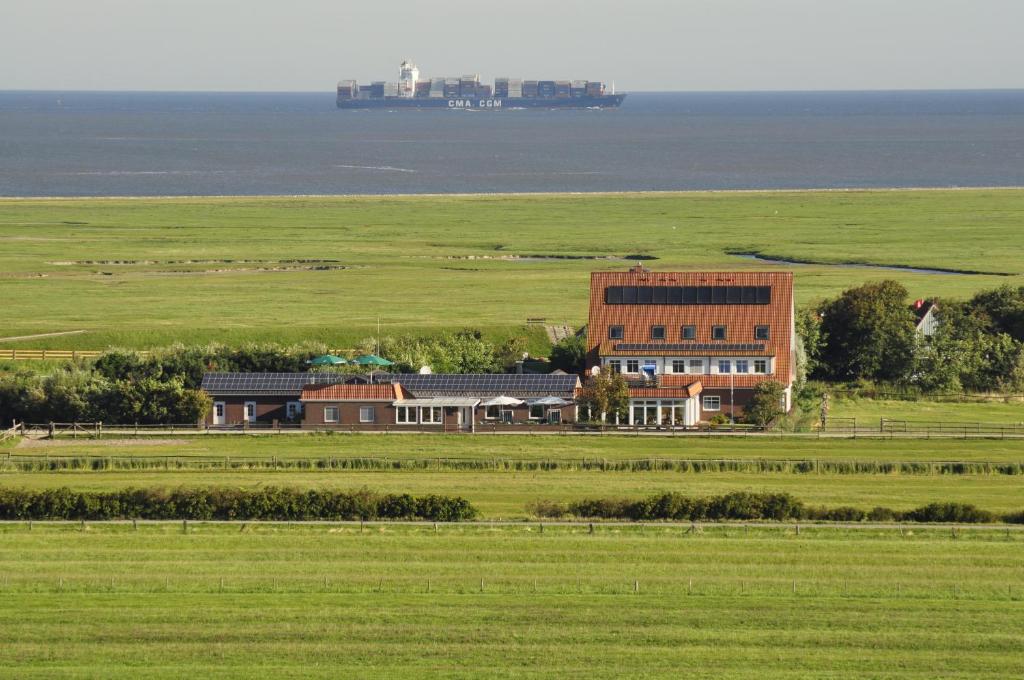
x=637, y=319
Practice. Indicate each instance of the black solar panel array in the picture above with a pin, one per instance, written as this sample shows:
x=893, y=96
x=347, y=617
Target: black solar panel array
x=688, y=295
x=440, y=384
x=479, y=384
x=688, y=346
x=266, y=383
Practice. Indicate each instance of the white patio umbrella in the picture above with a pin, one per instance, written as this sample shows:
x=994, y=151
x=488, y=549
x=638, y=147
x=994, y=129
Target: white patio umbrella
x=502, y=400
x=551, y=401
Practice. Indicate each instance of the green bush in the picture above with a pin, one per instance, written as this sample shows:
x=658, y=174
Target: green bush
x=270, y=503
x=949, y=512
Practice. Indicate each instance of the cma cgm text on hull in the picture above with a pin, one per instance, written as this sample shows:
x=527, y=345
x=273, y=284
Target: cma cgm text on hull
x=467, y=92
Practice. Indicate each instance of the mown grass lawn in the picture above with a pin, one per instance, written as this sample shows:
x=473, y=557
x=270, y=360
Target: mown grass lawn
x=394, y=601
x=528, y=447
x=148, y=272
x=868, y=412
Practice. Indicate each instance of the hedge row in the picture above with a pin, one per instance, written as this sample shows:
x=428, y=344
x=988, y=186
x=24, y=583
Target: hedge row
x=271, y=503
x=744, y=505
x=27, y=463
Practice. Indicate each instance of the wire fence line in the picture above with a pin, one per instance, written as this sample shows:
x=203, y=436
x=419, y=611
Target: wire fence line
x=430, y=584
x=835, y=428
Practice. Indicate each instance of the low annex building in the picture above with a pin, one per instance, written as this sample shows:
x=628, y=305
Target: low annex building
x=379, y=401
x=692, y=344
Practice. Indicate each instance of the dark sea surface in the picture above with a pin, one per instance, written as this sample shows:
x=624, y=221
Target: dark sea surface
x=88, y=144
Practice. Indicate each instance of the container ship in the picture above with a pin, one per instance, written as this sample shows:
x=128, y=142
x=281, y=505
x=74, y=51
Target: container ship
x=468, y=92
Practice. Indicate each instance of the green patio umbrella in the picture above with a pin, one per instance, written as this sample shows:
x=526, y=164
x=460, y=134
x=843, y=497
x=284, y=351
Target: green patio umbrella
x=371, y=360
x=326, y=360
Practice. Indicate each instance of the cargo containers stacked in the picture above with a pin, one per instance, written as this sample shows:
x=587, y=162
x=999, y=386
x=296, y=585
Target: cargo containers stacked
x=348, y=89
x=468, y=92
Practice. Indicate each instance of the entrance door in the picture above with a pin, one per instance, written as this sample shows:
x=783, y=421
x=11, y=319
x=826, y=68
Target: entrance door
x=466, y=418
x=250, y=412
x=218, y=413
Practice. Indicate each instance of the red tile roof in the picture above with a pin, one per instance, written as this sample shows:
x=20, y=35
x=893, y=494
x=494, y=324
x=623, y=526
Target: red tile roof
x=691, y=390
x=740, y=319
x=386, y=392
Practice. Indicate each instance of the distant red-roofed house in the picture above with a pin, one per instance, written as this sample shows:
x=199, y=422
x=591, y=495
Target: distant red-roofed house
x=340, y=405
x=723, y=332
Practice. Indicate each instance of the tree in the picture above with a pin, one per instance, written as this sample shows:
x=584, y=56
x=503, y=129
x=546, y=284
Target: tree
x=1003, y=310
x=809, y=342
x=869, y=333
x=767, y=403
x=570, y=354
x=606, y=394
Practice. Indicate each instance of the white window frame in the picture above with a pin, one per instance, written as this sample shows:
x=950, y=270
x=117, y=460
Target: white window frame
x=249, y=417
x=554, y=416
x=615, y=365
x=711, y=402
x=632, y=366
x=727, y=364
x=725, y=332
x=767, y=331
x=362, y=414
x=497, y=412
x=621, y=332
x=698, y=364
x=679, y=365
x=742, y=366
x=536, y=417
x=336, y=418
x=402, y=414
x=664, y=334
x=691, y=328
x=427, y=414
x=220, y=410
x=764, y=363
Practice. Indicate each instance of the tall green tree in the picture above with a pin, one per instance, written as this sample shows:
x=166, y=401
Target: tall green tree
x=869, y=333
x=606, y=393
x=570, y=354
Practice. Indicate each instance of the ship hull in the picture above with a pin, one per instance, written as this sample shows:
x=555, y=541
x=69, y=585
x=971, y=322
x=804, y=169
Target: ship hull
x=483, y=103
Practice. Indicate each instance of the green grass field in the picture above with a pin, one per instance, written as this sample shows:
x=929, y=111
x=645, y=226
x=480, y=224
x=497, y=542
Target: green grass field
x=868, y=411
x=148, y=272
x=527, y=447
x=332, y=601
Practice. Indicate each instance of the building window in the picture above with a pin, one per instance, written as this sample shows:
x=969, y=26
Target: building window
x=688, y=333
x=431, y=415
x=632, y=365
x=718, y=333
x=555, y=416
x=657, y=332
x=366, y=414
x=761, y=333
x=679, y=365
x=696, y=366
x=712, y=403
x=536, y=411
x=218, y=409
x=724, y=366
x=615, y=332
x=760, y=365
x=405, y=415
x=492, y=413
x=332, y=414
x=742, y=366
x=615, y=366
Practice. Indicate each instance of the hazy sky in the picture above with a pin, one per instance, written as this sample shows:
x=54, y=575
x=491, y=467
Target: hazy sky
x=308, y=45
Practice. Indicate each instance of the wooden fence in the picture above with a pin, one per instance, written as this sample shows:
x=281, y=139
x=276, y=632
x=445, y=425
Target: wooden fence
x=17, y=429
x=894, y=428
x=51, y=354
